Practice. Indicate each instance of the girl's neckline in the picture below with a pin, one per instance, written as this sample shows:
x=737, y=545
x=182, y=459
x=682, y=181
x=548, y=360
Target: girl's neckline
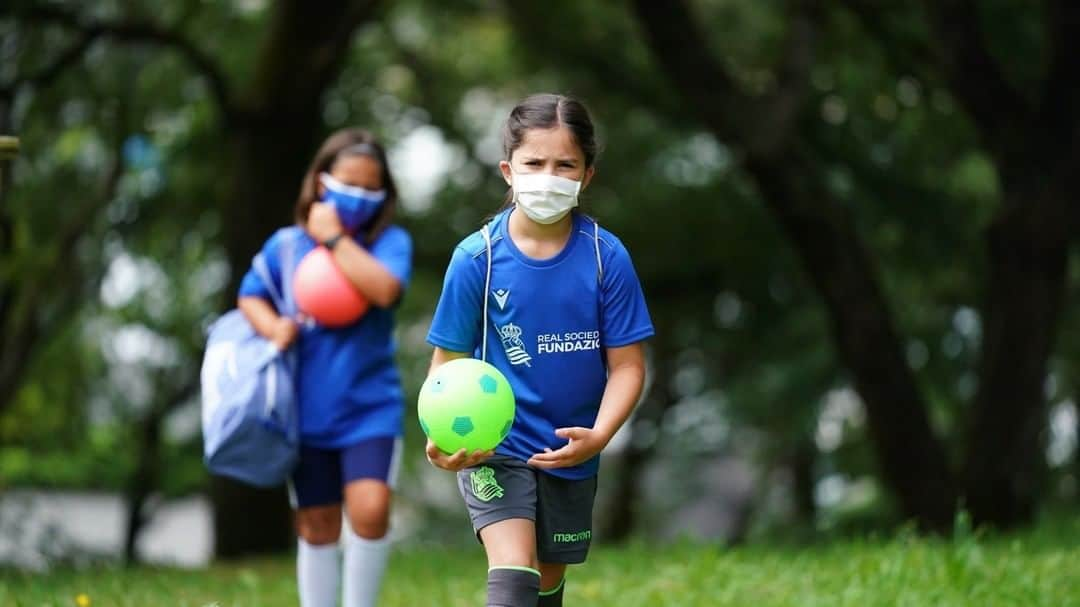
x=504, y=231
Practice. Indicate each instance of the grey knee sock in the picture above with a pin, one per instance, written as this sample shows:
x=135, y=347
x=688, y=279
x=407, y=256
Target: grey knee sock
x=513, y=587
x=553, y=597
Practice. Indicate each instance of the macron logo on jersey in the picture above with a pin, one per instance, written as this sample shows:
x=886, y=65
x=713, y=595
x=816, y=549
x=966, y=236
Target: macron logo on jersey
x=501, y=295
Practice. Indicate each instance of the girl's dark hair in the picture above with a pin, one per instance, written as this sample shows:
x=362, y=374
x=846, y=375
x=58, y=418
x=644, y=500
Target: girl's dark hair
x=547, y=111
x=348, y=143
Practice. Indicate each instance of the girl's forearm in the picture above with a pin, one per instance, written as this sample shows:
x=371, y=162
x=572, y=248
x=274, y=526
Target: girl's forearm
x=259, y=313
x=366, y=273
x=441, y=356
x=624, y=386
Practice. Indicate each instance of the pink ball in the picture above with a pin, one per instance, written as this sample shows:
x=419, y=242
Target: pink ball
x=324, y=292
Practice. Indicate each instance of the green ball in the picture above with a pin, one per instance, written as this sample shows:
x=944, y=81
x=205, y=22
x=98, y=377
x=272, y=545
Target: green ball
x=466, y=403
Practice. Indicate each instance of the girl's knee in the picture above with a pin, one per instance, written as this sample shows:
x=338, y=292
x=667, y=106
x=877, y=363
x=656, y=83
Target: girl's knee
x=319, y=525
x=511, y=543
x=551, y=574
x=369, y=519
x=370, y=525
x=518, y=560
x=512, y=556
x=367, y=505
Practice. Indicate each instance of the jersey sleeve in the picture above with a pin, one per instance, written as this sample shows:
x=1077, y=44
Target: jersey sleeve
x=394, y=250
x=456, y=324
x=625, y=315
x=253, y=285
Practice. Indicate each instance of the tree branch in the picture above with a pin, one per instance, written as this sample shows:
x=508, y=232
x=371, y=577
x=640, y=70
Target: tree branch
x=973, y=74
x=783, y=106
x=976, y=78
x=20, y=325
x=138, y=32
x=45, y=75
x=677, y=42
x=294, y=60
x=905, y=53
x=1061, y=95
x=587, y=52
x=763, y=125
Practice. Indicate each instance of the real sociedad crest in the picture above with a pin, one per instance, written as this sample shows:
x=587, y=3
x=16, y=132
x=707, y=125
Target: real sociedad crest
x=515, y=348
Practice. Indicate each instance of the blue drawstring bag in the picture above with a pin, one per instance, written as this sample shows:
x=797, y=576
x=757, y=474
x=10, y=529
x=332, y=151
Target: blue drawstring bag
x=250, y=423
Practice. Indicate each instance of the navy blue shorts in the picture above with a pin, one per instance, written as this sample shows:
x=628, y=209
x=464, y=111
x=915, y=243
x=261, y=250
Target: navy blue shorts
x=321, y=474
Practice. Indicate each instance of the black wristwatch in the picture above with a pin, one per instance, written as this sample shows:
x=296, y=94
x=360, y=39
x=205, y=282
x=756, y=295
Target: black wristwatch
x=330, y=243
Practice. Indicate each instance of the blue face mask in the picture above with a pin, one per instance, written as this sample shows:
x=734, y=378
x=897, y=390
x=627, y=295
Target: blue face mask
x=355, y=206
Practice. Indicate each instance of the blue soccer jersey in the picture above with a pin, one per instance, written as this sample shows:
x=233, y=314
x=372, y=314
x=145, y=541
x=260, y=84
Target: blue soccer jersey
x=348, y=386
x=549, y=323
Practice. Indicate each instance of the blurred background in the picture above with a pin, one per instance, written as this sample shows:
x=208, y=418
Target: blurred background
x=855, y=221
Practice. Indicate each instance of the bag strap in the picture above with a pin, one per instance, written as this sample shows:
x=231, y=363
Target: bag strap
x=283, y=298
x=599, y=261
x=485, y=231
x=288, y=268
x=263, y=270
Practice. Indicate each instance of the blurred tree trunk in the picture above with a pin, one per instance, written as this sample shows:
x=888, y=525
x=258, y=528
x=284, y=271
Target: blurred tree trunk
x=272, y=129
x=143, y=482
x=21, y=301
x=1005, y=466
x=7, y=158
x=911, y=458
x=147, y=475
x=1076, y=457
x=1034, y=149
x=27, y=306
x=1031, y=136
x=1032, y=140
x=8, y=378
x=801, y=462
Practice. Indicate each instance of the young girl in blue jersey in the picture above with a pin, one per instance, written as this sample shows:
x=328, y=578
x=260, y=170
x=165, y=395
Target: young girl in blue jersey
x=349, y=391
x=564, y=317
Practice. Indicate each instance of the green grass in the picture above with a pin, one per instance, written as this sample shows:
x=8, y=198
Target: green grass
x=1037, y=568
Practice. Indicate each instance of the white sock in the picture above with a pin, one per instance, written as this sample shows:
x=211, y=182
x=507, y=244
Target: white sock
x=318, y=574
x=365, y=563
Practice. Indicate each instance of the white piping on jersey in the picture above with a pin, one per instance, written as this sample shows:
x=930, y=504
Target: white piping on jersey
x=487, y=286
x=493, y=241
x=485, y=231
x=596, y=240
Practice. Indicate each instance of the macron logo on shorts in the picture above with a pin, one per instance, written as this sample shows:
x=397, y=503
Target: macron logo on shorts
x=572, y=538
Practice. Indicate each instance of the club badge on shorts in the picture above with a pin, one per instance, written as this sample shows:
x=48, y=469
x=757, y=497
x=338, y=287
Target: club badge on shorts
x=484, y=485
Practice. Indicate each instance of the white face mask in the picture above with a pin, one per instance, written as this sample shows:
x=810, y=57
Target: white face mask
x=545, y=198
